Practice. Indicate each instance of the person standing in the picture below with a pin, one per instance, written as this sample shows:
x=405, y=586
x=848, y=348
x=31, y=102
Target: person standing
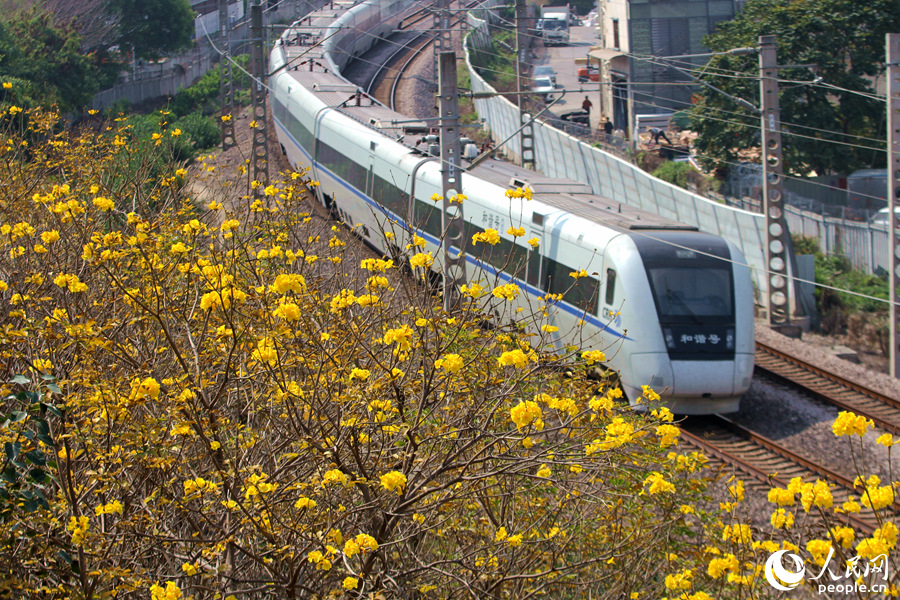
x=586, y=105
x=607, y=126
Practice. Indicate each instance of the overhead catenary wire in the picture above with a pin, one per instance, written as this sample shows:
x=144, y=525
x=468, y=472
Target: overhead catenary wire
x=765, y=271
x=739, y=123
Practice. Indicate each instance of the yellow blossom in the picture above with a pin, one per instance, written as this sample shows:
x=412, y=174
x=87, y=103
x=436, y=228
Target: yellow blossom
x=361, y=374
x=668, y=435
x=887, y=440
x=288, y=311
x=170, y=592
x=421, y=260
x=679, y=581
x=148, y=387
x=515, y=358
x=289, y=282
x=451, y=363
x=593, y=356
x=509, y=291
x=335, y=476
x=782, y=519
x=490, y=236
x=525, y=413
x=781, y=497
x=658, y=484
x=848, y=423
x=394, y=481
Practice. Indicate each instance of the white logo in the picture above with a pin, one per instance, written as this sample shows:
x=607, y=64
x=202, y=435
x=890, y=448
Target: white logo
x=859, y=575
x=775, y=571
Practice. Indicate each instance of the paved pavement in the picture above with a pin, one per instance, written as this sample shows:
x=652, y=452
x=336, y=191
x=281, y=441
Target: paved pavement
x=562, y=59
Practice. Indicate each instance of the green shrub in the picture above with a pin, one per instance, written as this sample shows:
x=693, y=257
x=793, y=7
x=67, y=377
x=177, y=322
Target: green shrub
x=201, y=132
x=205, y=95
x=675, y=173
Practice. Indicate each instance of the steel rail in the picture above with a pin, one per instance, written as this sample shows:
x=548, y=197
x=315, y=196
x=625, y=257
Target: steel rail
x=862, y=524
x=839, y=391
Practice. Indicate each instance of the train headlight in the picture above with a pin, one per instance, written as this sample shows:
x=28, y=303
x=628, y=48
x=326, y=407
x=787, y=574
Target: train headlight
x=729, y=339
x=670, y=339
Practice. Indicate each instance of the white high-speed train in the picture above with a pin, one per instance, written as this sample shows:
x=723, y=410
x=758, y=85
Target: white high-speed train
x=670, y=306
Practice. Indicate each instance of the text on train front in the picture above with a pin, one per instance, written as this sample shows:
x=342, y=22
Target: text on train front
x=690, y=276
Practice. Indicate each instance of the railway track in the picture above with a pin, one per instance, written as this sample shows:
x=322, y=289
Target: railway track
x=383, y=86
x=771, y=463
x=848, y=395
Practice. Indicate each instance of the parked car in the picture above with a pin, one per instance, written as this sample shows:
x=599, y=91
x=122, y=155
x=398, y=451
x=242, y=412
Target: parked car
x=881, y=217
x=588, y=73
x=544, y=71
x=543, y=87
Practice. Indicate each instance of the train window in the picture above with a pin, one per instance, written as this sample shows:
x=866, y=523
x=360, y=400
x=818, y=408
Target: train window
x=534, y=268
x=428, y=218
x=389, y=196
x=505, y=256
x=345, y=168
x=581, y=292
x=692, y=292
x=610, y=286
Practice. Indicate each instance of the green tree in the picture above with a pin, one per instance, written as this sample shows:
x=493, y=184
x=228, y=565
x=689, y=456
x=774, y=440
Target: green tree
x=151, y=28
x=50, y=58
x=824, y=122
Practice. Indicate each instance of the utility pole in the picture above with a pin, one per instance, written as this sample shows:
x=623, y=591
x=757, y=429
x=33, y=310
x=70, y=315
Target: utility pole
x=773, y=185
x=226, y=79
x=452, y=222
x=526, y=133
x=260, y=158
x=893, y=172
x=443, y=40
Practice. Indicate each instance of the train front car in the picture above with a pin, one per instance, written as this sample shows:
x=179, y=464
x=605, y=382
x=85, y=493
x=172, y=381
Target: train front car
x=698, y=352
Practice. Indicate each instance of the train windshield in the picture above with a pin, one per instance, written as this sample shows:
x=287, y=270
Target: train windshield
x=692, y=292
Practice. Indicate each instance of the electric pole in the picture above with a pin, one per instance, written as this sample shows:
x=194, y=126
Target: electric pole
x=260, y=158
x=452, y=223
x=526, y=133
x=226, y=79
x=893, y=172
x=443, y=40
x=773, y=185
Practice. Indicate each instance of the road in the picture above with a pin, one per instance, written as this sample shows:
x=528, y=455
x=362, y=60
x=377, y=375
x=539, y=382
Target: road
x=562, y=59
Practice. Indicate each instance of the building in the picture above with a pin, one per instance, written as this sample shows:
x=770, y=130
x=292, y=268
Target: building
x=634, y=34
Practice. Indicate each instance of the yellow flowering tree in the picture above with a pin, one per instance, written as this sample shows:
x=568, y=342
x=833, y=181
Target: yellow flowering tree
x=208, y=401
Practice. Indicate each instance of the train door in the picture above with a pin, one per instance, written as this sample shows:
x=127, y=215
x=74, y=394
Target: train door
x=370, y=172
x=610, y=297
x=534, y=276
x=533, y=269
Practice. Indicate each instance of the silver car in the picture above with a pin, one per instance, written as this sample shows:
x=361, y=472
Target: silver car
x=544, y=71
x=543, y=87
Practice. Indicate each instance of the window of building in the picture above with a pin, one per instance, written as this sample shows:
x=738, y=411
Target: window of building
x=615, y=28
